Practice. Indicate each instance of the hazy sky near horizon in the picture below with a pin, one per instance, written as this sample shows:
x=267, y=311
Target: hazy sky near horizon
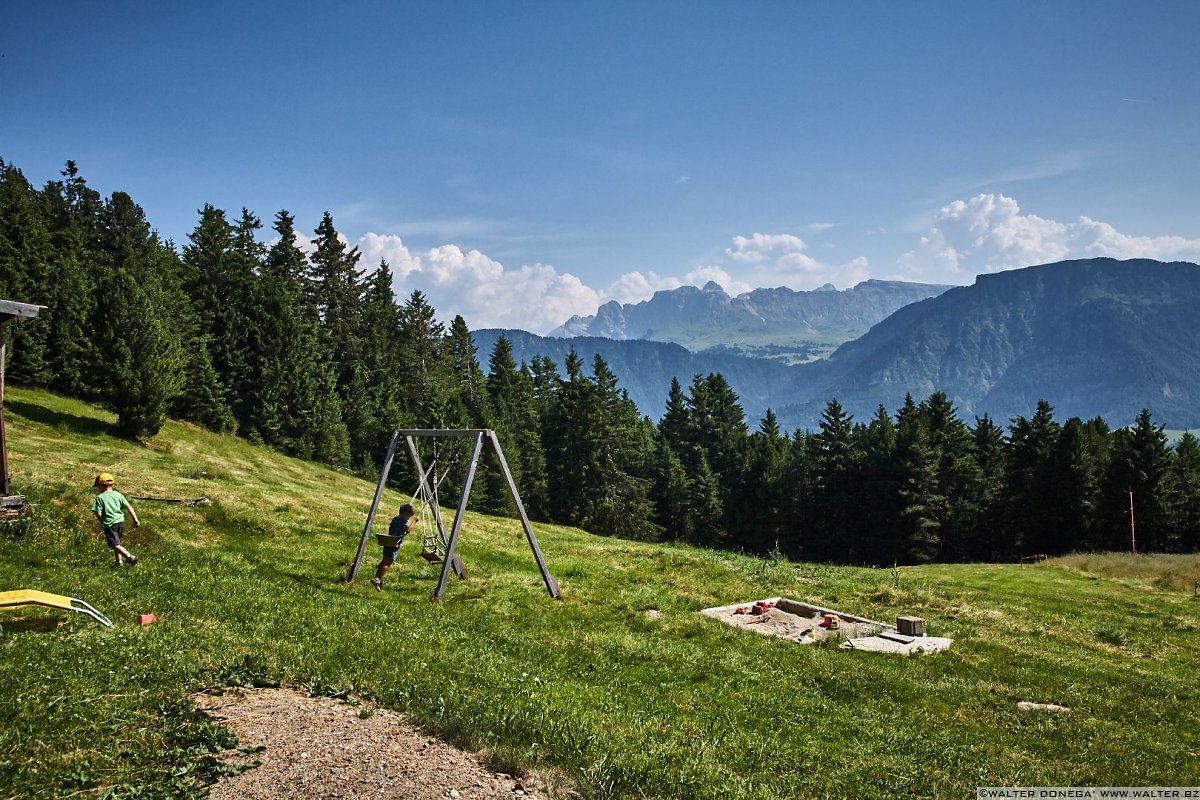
x=520, y=162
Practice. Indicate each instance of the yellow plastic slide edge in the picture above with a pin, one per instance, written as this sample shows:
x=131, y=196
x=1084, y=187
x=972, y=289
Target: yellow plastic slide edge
x=32, y=597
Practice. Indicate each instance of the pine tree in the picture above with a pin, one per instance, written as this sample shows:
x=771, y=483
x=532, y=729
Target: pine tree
x=922, y=500
x=989, y=446
x=705, y=508
x=334, y=273
x=381, y=411
x=675, y=425
x=958, y=475
x=69, y=341
x=1077, y=473
x=880, y=511
x=528, y=435
x=338, y=287
x=1029, y=485
x=470, y=385
x=760, y=502
x=240, y=317
x=620, y=451
x=1185, y=467
x=543, y=372
x=502, y=400
x=142, y=360
x=207, y=325
x=801, y=528
x=514, y=415
x=425, y=364
x=836, y=465
x=200, y=397
x=135, y=320
x=569, y=467
x=1140, y=464
x=26, y=254
x=296, y=404
x=670, y=494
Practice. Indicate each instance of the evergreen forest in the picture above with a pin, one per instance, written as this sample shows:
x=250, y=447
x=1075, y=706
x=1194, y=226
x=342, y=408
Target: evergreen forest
x=240, y=331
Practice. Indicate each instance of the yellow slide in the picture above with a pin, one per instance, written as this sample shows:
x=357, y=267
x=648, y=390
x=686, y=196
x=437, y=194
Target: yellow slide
x=32, y=597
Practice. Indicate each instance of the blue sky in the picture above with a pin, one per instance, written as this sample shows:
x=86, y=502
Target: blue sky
x=522, y=162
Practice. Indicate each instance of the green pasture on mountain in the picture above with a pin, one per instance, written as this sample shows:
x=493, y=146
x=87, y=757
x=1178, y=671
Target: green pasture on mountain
x=618, y=702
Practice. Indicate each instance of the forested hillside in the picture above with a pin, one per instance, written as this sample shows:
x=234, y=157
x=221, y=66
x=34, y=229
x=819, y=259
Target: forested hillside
x=312, y=354
x=645, y=368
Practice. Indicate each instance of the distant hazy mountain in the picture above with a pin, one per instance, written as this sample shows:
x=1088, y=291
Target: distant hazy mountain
x=781, y=324
x=1092, y=337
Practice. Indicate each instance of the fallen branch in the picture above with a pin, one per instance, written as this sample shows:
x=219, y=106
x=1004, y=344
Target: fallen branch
x=199, y=501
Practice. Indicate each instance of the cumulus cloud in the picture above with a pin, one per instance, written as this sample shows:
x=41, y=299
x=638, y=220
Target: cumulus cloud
x=769, y=260
x=763, y=246
x=488, y=295
x=988, y=233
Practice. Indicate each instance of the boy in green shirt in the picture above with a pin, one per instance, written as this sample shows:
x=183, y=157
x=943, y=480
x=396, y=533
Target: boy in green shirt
x=109, y=508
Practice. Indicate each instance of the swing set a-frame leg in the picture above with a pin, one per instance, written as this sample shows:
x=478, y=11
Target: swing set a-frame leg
x=362, y=545
x=458, y=520
x=547, y=578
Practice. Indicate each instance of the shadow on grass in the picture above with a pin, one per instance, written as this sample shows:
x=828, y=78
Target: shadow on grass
x=28, y=625
x=89, y=426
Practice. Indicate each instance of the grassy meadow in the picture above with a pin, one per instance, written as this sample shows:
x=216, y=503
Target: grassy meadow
x=591, y=689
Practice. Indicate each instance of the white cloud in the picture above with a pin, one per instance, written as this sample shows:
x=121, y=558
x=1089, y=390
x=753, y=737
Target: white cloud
x=770, y=260
x=761, y=246
x=534, y=297
x=988, y=233
x=633, y=287
x=375, y=248
x=702, y=275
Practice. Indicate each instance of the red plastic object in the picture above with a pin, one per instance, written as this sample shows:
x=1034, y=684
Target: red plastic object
x=146, y=619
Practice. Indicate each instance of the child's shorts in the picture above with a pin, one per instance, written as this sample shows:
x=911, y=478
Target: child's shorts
x=112, y=534
x=391, y=545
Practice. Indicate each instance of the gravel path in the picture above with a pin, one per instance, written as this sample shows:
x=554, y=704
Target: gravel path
x=319, y=748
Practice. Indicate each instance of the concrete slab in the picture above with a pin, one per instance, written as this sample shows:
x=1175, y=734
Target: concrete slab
x=888, y=644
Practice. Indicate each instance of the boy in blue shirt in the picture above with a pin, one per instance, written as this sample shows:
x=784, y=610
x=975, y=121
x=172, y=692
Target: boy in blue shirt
x=402, y=523
x=109, y=508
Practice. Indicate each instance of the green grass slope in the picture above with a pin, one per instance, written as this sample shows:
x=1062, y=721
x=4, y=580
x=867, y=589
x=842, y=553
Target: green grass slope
x=623, y=704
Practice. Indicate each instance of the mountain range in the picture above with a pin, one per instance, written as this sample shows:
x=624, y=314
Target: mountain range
x=1092, y=337
x=780, y=324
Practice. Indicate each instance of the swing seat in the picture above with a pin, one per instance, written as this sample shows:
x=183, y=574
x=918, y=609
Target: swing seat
x=32, y=597
x=455, y=563
x=387, y=540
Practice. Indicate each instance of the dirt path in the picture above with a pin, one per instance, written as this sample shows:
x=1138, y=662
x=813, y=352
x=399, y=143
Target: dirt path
x=319, y=748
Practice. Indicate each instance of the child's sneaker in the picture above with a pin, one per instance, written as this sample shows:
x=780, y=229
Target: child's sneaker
x=378, y=584
x=132, y=561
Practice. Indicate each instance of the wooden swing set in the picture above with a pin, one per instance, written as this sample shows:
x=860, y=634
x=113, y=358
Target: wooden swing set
x=438, y=545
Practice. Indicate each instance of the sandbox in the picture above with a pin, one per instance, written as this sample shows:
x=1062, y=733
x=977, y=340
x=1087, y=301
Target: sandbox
x=805, y=623
x=793, y=620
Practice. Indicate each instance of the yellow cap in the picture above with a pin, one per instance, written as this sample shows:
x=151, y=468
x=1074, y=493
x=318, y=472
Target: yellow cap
x=104, y=479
